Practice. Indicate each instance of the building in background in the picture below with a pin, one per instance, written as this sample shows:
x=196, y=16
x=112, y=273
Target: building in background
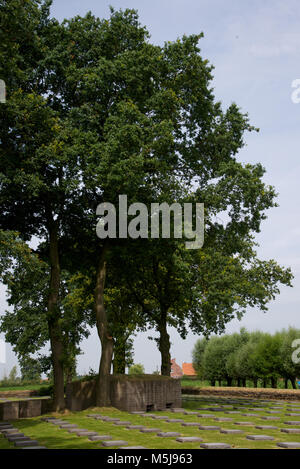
x=186, y=370
x=176, y=371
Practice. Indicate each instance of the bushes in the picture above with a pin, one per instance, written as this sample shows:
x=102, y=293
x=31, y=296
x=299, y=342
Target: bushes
x=257, y=357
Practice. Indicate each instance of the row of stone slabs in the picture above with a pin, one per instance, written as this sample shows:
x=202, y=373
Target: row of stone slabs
x=181, y=439
x=20, y=440
x=108, y=442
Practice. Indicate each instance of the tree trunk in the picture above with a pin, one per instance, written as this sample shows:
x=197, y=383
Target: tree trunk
x=286, y=383
x=212, y=383
x=239, y=382
x=103, y=380
x=229, y=381
x=164, y=346
x=293, y=381
x=274, y=383
x=255, y=382
x=55, y=333
x=243, y=382
x=264, y=383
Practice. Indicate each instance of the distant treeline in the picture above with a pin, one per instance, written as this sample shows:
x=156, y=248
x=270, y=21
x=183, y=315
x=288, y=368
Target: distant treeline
x=249, y=356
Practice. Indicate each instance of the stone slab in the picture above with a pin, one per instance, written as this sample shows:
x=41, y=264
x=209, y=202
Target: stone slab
x=174, y=420
x=244, y=423
x=191, y=413
x=150, y=430
x=205, y=416
x=289, y=444
x=135, y=427
x=10, y=430
x=110, y=419
x=189, y=439
x=270, y=418
x=209, y=427
x=290, y=430
x=231, y=431
x=215, y=446
x=87, y=433
x=259, y=437
x=68, y=425
x=100, y=437
x=266, y=427
x=26, y=443
x=34, y=447
x=17, y=438
x=114, y=443
x=291, y=422
x=190, y=424
x=75, y=430
x=223, y=419
x=168, y=434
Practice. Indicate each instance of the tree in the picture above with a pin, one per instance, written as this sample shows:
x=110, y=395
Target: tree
x=267, y=359
x=136, y=369
x=39, y=172
x=26, y=277
x=245, y=359
x=236, y=342
x=290, y=368
x=198, y=355
x=100, y=112
x=13, y=374
x=30, y=369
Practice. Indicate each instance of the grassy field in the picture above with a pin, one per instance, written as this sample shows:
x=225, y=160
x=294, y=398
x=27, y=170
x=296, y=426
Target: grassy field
x=53, y=437
x=28, y=387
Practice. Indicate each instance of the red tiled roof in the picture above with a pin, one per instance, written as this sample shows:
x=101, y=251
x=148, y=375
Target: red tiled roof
x=188, y=369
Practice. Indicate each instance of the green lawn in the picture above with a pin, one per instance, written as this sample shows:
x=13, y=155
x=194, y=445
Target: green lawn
x=53, y=437
x=28, y=387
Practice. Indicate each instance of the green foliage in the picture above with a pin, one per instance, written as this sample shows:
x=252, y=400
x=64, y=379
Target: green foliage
x=198, y=354
x=30, y=369
x=255, y=356
x=13, y=375
x=136, y=369
x=94, y=110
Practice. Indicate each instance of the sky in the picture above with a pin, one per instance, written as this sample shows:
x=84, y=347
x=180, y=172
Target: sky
x=255, y=49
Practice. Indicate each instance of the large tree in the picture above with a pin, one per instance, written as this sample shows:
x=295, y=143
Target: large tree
x=100, y=112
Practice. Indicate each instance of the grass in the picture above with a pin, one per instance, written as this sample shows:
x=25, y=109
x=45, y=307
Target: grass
x=27, y=387
x=56, y=438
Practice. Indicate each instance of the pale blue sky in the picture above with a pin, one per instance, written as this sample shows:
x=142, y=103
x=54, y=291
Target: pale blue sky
x=255, y=48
